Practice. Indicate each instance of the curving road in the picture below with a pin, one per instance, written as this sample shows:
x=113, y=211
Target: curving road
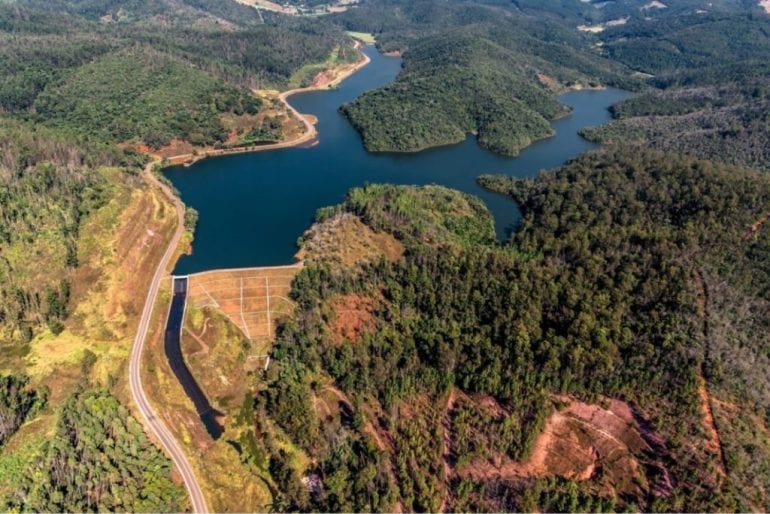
x=310, y=131
x=152, y=420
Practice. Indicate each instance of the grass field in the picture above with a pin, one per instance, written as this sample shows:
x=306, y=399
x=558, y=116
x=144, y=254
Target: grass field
x=364, y=37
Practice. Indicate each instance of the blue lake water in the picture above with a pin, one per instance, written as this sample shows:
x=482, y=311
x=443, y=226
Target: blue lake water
x=253, y=207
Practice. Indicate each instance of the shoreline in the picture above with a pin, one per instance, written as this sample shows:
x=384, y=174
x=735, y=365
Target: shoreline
x=308, y=137
x=152, y=423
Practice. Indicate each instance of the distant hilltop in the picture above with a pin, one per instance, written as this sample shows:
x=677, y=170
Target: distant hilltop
x=298, y=8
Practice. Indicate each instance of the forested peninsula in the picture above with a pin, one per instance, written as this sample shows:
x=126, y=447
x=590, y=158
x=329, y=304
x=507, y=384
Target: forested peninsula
x=493, y=74
x=611, y=356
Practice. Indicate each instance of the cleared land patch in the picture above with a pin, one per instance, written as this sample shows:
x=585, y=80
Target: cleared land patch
x=253, y=298
x=345, y=239
x=353, y=317
x=610, y=443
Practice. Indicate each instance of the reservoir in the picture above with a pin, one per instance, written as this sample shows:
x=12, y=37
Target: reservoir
x=253, y=207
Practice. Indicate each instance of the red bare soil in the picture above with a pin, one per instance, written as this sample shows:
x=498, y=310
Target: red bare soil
x=714, y=443
x=353, y=317
x=581, y=440
x=322, y=79
x=754, y=229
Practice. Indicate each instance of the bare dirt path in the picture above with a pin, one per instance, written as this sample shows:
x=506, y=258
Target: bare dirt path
x=151, y=419
x=715, y=442
x=754, y=229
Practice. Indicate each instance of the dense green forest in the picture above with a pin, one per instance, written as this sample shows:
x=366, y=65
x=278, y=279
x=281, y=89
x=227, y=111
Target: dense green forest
x=142, y=95
x=98, y=460
x=682, y=42
x=609, y=289
x=454, y=79
x=17, y=402
x=496, y=76
x=144, y=71
x=419, y=114
x=711, y=88
x=397, y=23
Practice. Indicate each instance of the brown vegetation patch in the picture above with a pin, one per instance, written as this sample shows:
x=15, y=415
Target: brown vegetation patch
x=491, y=405
x=353, y=317
x=331, y=404
x=611, y=444
x=322, y=79
x=117, y=265
x=345, y=239
x=548, y=82
x=376, y=425
x=714, y=444
x=757, y=225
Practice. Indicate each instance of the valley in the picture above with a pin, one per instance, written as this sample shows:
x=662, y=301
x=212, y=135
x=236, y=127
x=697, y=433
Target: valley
x=384, y=255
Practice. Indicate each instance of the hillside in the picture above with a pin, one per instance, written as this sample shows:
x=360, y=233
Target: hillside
x=497, y=76
x=612, y=356
x=140, y=72
x=76, y=231
x=82, y=230
x=711, y=88
x=142, y=95
x=475, y=369
x=497, y=80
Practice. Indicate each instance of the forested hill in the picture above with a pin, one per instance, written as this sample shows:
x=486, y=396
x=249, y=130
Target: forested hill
x=198, y=12
x=491, y=69
x=711, y=81
x=148, y=72
x=449, y=88
x=473, y=377
x=49, y=185
x=495, y=76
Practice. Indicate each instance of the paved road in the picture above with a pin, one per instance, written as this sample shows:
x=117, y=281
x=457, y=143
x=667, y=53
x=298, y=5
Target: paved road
x=152, y=420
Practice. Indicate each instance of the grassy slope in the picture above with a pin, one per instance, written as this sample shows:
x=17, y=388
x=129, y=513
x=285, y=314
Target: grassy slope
x=115, y=262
